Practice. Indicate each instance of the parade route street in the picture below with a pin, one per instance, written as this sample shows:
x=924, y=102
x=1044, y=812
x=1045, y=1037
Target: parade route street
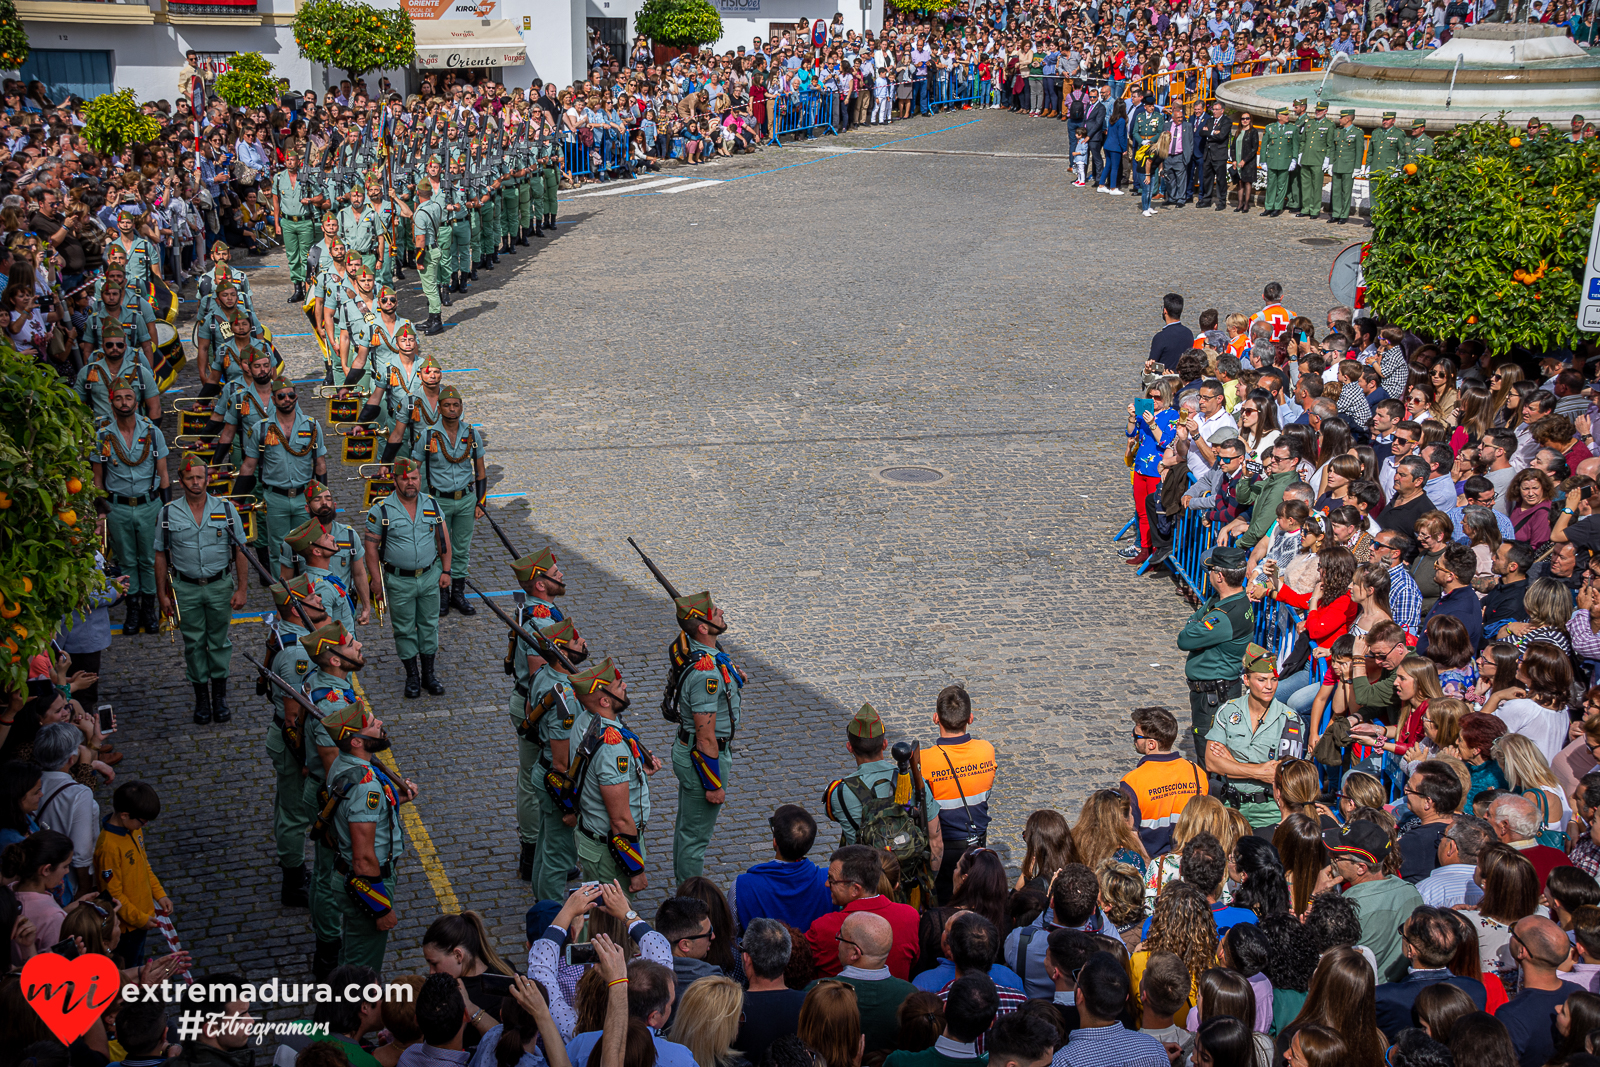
x=723, y=375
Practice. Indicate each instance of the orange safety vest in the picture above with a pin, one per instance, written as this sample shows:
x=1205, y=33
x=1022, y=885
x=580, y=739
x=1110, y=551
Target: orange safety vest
x=1160, y=787
x=960, y=772
x=1277, y=316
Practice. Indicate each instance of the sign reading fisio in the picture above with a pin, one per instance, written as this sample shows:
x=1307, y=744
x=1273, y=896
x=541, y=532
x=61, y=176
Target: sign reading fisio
x=739, y=7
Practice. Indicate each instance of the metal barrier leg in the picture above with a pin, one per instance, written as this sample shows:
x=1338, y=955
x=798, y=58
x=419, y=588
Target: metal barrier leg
x=1131, y=524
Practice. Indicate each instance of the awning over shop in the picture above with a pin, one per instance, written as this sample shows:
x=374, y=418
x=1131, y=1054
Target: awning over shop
x=461, y=44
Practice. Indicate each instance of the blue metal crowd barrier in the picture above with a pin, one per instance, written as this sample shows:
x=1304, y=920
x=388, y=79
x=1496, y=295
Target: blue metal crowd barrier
x=575, y=157
x=799, y=112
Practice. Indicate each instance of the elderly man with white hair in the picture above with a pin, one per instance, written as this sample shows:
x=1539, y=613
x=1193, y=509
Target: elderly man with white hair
x=66, y=805
x=1515, y=820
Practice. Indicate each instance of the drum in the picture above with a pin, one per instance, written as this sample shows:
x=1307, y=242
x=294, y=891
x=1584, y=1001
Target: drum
x=169, y=353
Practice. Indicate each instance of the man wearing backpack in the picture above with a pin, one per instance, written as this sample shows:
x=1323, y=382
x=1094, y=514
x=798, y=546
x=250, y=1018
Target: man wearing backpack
x=863, y=802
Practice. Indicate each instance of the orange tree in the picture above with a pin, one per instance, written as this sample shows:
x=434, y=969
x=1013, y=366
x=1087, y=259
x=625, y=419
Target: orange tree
x=355, y=38
x=47, y=563
x=13, y=38
x=1487, y=238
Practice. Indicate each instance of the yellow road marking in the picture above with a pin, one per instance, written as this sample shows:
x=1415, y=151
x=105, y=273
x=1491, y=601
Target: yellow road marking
x=432, y=865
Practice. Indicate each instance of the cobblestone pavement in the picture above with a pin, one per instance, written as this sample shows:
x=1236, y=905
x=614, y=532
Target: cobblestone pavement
x=723, y=374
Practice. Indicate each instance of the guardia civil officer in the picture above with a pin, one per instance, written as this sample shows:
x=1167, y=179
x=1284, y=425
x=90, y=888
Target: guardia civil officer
x=1248, y=737
x=1215, y=638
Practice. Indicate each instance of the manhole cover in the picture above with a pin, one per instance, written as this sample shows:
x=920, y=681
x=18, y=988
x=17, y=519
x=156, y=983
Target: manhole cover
x=911, y=475
x=1319, y=242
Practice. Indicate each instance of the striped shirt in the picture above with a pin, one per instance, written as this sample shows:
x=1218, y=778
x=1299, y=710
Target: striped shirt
x=1405, y=600
x=1110, y=1046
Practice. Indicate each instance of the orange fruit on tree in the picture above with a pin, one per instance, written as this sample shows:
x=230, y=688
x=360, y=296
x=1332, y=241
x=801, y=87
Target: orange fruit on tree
x=27, y=584
x=1516, y=142
x=1471, y=319
x=69, y=517
x=1410, y=168
x=74, y=486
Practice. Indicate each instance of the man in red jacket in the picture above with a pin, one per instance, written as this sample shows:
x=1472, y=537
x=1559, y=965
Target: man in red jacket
x=853, y=875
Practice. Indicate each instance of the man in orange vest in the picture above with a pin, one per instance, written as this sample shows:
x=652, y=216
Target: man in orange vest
x=960, y=771
x=1274, y=314
x=1163, y=782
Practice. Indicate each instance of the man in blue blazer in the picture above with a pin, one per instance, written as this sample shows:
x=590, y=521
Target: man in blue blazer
x=1430, y=941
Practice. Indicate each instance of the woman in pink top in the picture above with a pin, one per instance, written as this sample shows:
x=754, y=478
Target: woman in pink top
x=39, y=864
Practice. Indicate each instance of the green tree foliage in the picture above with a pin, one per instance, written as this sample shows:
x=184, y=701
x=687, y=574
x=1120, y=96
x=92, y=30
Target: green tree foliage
x=1487, y=239
x=248, y=82
x=13, y=38
x=112, y=121
x=355, y=38
x=47, y=537
x=678, y=23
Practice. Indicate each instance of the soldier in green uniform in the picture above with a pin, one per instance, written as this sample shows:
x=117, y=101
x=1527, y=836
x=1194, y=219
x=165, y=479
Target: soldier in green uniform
x=419, y=413
x=112, y=365
x=345, y=566
x=292, y=221
x=542, y=581
x=426, y=222
x=524, y=154
x=452, y=457
x=130, y=467
x=1251, y=733
x=298, y=604
x=844, y=799
x=550, y=160
x=384, y=214
x=1279, y=147
x=510, y=182
x=355, y=313
x=612, y=796
x=310, y=541
x=1291, y=202
x=242, y=406
x=405, y=539
x=211, y=282
x=329, y=688
x=290, y=452
x=709, y=690
x=1215, y=637
x=548, y=714
x=458, y=224
x=196, y=537
x=1313, y=151
x=1417, y=143
x=213, y=328
x=322, y=255
x=228, y=359
x=1144, y=126
x=1344, y=155
x=1383, y=158
x=111, y=308
x=359, y=228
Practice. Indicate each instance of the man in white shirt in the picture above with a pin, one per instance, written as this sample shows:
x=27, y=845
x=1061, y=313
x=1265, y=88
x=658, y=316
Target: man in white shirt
x=1201, y=427
x=1451, y=882
x=66, y=805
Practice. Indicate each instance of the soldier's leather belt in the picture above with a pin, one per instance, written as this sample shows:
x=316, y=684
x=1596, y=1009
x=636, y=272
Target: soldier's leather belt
x=400, y=573
x=455, y=495
x=217, y=577
x=132, y=501
x=293, y=490
x=686, y=738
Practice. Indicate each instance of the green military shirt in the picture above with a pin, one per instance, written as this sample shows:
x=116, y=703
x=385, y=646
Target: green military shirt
x=709, y=687
x=1280, y=145
x=1231, y=728
x=203, y=549
x=1416, y=147
x=422, y=414
x=227, y=358
x=141, y=255
x=286, y=461
x=215, y=330
x=290, y=189
x=358, y=232
x=1314, y=143
x=1383, y=154
x=355, y=311
x=329, y=694
x=410, y=544
x=615, y=762
x=207, y=286
x=384, y=339
x=1344, y=148
x=393, y=382
x=374, y=797
x=130, y=469
x=94, y=382
x=321, y=254
x=292, y=663
x=425, y=221
x=240, y=405
x=132, y=320
x=878, y=776
x=448, y=458
x=1215, y=638
x=555, y=724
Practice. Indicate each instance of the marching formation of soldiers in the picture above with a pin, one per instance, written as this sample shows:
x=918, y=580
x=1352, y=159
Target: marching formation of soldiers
x=1296, y=147
x=447, y=197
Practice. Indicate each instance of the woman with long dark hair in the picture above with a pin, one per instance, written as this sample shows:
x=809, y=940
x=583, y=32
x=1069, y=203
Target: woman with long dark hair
x=460, y=945
x=1510, y=894
x=1049, y=847
x=1341, y=998
x=724, y=949
x=979, y=882
x=1481, y=1040
x=1116, y=143
x=20, y=793
x=1258, y=873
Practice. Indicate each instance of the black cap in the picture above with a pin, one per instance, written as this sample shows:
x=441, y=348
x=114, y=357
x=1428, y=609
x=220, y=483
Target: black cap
x=1228, y=557
x=1363, y=842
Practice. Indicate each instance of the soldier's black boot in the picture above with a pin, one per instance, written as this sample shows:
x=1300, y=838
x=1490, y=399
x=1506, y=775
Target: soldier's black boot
x=473, y=273
x=150, y=614
x=413, y=679
x=434, y=326
x=219, y=700
x=444, y=296
x=525, y=862
x=293, y=893
x=538, y=225
x=324, y=960
x=131, y=621
x=458, y=597
x=429, y=682
x=494, y=259
x=445, y=602
x=202, y=703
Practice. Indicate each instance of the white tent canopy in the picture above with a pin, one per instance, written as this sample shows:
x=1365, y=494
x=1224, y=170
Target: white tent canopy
x=463, y=44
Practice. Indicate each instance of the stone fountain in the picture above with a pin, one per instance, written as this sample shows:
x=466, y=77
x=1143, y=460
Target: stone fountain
x=1524, y=70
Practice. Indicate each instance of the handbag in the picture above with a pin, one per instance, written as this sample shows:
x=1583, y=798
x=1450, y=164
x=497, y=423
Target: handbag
x=586, y=136
x=244, y=174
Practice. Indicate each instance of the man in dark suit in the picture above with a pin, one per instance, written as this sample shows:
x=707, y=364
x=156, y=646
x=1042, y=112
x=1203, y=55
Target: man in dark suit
x=1173, y=339
x=1095, y=127
x=1430, y=940
x=1215, y=130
